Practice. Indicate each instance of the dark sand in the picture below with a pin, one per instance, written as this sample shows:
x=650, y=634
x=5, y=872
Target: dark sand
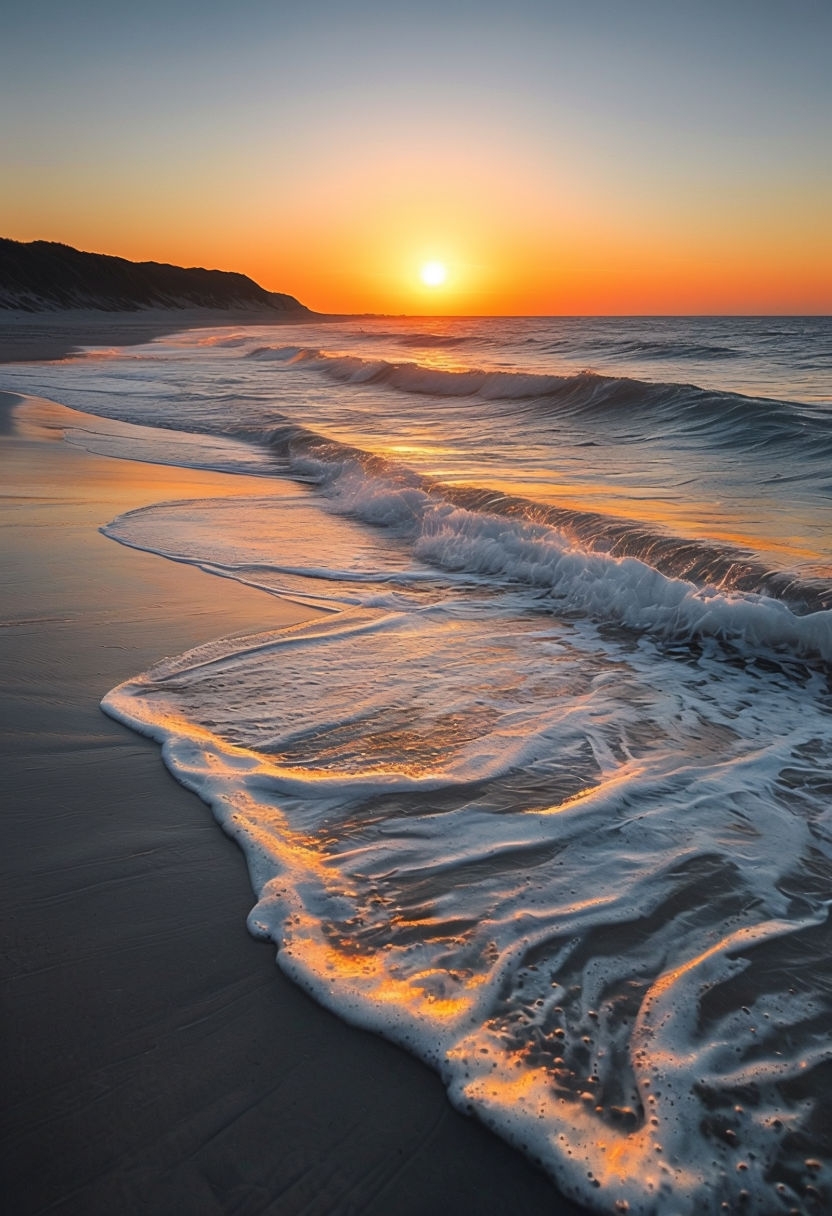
x=27, y=336
x=155, y=1059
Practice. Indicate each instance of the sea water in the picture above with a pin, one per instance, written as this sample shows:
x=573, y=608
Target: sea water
x=544, y=794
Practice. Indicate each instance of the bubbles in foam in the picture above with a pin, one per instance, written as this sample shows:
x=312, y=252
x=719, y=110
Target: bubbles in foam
x=559, y=869
x=544, y=797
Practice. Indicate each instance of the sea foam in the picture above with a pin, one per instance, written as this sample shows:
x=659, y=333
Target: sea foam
x=543, y=794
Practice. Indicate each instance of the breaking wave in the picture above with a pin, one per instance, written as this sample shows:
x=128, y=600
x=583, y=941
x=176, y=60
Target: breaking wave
x=612, y=570
x=718, y=419
x=544, y=795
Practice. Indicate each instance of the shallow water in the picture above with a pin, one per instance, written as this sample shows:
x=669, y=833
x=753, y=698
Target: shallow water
x=545, y=796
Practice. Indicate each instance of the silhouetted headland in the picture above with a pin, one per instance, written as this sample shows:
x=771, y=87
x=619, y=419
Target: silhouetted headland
x=44, y=276
x=55, y=300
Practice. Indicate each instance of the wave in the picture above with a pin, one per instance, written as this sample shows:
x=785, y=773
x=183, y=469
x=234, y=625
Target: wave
x=654, y=349
x=704, y=563
x=616, y=571
x=611, y=570
x=547, y=803
x=414, y=377
x=720, y=419
x=417, y=339
x=453, y=844
x=586, y=882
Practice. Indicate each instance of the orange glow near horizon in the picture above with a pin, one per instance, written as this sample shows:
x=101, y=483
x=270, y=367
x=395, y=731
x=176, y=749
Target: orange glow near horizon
x=543, y=245
x=554, y=162
x=515, y=239
x=571, y=272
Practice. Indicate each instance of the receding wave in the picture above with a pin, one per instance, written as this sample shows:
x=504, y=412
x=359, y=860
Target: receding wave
x=544, y=794
x=577, y=878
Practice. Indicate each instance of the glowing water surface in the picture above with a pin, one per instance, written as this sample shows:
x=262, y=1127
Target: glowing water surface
x=545, y=795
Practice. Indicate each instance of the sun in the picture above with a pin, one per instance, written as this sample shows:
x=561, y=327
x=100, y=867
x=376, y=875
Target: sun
x=433, y=274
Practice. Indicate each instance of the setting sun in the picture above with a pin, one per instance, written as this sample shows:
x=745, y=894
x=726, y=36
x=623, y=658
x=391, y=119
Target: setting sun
x=483, y=351
x=433, y=274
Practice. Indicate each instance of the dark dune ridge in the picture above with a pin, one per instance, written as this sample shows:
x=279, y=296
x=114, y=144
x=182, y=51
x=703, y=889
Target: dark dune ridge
x=43, y=276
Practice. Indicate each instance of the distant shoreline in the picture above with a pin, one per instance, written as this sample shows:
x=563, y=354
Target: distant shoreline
x=39, y=336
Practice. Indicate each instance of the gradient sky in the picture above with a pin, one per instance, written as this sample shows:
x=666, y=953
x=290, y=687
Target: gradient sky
x=575, y=156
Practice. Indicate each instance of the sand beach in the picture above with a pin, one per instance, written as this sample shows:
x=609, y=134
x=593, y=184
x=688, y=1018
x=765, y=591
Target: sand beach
x=155, y=1059
x=25, y=336
x=416, y=610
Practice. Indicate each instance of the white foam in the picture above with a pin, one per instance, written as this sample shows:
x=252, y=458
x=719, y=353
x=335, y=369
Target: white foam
x=533, y=860
x=553, y=820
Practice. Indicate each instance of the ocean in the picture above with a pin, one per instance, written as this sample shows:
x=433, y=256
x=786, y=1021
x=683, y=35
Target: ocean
x=544, y=792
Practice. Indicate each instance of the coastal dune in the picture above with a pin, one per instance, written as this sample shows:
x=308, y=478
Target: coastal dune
x=55, y=299
x=155, y=1058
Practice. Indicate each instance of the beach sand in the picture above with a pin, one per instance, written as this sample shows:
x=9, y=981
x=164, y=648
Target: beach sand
x=155, y=1059
x=26, y=336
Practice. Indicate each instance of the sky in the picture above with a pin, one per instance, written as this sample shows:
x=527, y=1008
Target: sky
x=563, y=157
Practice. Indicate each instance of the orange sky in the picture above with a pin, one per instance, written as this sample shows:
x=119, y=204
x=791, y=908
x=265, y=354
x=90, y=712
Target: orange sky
x=565, y=160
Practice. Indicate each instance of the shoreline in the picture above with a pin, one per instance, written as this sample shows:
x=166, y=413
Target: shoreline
x=30, y=337
x=156, y=1058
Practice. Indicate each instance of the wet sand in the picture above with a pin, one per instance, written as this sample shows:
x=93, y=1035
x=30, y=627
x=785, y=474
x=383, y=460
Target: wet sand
x=155, y=1059
x=27, y=336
